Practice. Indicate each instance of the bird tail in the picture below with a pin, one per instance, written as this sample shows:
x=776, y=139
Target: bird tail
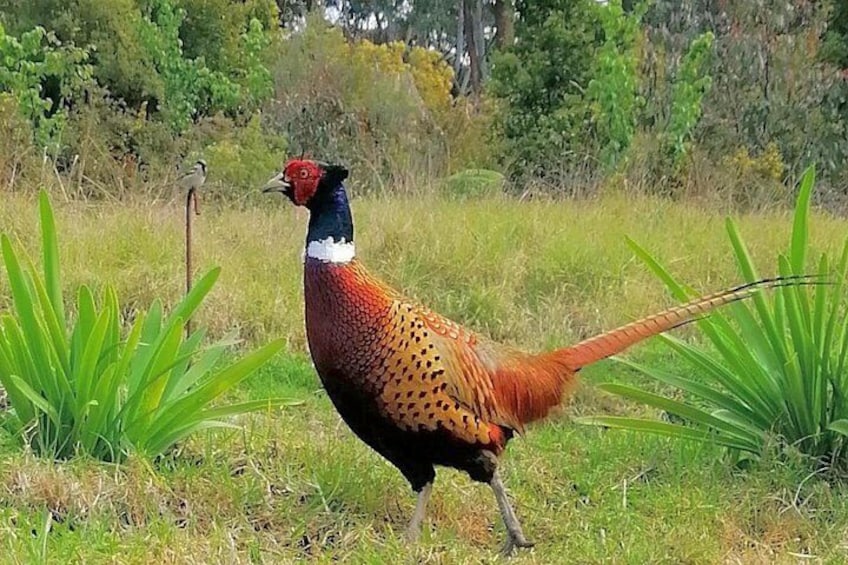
x=529, y=388
x=612, y=342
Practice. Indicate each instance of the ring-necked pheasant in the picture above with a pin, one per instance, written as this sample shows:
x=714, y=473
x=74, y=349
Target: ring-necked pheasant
x=418, y=388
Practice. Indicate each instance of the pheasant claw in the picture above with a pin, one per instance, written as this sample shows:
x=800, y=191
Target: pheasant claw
x=512, y=543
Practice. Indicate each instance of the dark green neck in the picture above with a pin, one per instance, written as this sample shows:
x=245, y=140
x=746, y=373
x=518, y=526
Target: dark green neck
x=329, y=216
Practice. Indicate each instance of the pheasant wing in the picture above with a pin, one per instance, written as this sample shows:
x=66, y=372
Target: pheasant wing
x=430, y=380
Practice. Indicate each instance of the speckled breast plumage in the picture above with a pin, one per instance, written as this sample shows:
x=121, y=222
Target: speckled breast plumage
x=368, y=343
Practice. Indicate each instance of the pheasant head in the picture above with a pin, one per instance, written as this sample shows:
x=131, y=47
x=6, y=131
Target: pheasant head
x=306, y=182
x=318, y=187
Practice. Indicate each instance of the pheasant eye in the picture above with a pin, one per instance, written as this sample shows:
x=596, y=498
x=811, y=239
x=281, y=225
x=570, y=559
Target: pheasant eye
x=304, y=173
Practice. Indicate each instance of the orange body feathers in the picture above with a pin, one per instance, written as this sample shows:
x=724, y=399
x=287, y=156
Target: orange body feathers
x=424, y=374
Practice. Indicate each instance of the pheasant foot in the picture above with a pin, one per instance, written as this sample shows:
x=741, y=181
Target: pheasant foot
x=515, y=536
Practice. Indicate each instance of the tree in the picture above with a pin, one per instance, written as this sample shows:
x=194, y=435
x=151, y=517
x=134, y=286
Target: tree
x=540, y=82
x=775, y=93
x=121, y=63
x=212, y=29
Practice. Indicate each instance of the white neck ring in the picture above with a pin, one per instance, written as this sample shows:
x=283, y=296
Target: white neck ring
x=331, y=251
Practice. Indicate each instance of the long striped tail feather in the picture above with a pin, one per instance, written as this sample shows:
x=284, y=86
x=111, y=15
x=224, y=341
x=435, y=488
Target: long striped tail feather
x=615, y=341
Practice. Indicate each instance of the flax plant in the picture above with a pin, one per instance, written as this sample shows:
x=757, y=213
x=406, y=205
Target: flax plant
x=775, y=373
x=82, y=383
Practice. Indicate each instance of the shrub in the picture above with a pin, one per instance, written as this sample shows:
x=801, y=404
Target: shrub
x=474, y=183
x=83, y=387
x=778, y=367
x=18, y=152
x=688, y=89
x=120, y=61
x=758, y=179
x=771, y=81
x=769, y=165
x=385, y=110
x=250, y=71
x=214, y=29
x=611, y=93
x=104, y=144
x=190, y=88
x=29, y=62
x=191, y=57
x=244, y=159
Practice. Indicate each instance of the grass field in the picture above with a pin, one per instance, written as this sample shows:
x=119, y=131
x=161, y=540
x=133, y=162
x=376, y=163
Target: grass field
x=296, y=484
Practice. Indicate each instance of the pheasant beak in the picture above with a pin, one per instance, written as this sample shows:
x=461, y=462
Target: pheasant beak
x=278, y=183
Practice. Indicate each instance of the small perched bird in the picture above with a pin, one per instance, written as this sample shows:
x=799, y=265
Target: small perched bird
x=195, y=178
x=418, y=388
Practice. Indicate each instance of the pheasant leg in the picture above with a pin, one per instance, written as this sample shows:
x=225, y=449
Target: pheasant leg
x=414, y=528
x=515, y=537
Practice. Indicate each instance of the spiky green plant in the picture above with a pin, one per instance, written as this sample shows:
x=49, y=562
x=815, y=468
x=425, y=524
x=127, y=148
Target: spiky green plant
x=776, y=372
x=84, y=385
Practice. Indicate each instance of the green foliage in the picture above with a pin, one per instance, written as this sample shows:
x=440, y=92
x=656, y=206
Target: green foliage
x=541, y=83
x=244, y=159
x=27, y=64
x=772, y=82
x=612, y=92
x=82, y=387
x=214, y=29
x=778, y=369
x=689, y=88
x=120, y=62
x=254, y=77
x=835, y=48
x=232, y=39
x=190, y=87
x=568, y=87
x=155, y=55
x=588, y=89
x=757, y=180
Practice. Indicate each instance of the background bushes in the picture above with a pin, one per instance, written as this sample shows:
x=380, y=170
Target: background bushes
x=717, y=100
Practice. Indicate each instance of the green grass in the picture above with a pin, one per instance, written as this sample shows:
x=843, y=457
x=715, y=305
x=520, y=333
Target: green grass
x=295, y=483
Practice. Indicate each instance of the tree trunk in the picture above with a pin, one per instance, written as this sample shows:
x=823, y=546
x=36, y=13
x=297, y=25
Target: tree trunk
x=480, y=40
x=505, y=23
x=459, y=71
x=473, y=19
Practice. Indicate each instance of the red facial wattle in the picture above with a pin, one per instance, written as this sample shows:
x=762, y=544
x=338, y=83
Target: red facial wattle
x=304, y=177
